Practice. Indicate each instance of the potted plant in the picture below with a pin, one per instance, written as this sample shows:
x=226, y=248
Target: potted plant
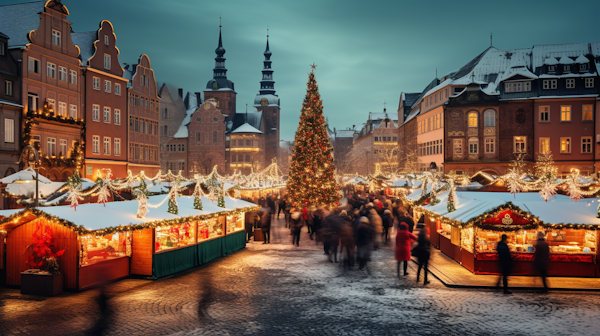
x=44, y=276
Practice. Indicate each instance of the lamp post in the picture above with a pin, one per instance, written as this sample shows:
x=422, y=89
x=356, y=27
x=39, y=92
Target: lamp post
x=28, y=158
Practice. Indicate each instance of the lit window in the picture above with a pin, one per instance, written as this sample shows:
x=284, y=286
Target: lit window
x=544, y=113
x=51, y=146
x=586, y=145
x=544, y=145
x=588, y=112
x=565, y=145
x=472, y=119
x=63, y=147
x=520, y=142
x=565, y=113
x=62, y=109
x=570, y=83
x=51, y=104
x=489, y=118
x=56, y=37
x=490, y=145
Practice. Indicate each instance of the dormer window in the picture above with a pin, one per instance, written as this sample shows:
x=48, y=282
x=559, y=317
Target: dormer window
x=583, y=67
x=517, y=87
x=567, y=68
x=551, y=68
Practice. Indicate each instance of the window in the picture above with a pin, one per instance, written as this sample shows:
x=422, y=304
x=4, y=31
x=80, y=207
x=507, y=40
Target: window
x=520, y=144
x=106, y=62
x=544, y=113
x=105, y=39
x=107, y=114
x=55, y=37
x=34, y=65
x=234, y=158
x=517, y=87
x=96, y=144
x=147, y=82
x=544, y=145
x=9, y=130
x=490, y=145
x=62, y=109
x=570, y=83
x=62, y=73
x=32, y=101
x=586, y=145
x=8, y=88
x=565, y=145
x=248, y=143
x=51, y=104
x=96, y=112
x=472, y=119
x=118, y=89
x=589, y=83
x=565, y=113
x=473, y=145
x=51, y=146
x=583, y=67
x=142, y=80
x=63, y=147
x=106, y=146
x=73, y=111
x=588, y=112
x=551, y=68
x=117, y=117
x=51, y=70
x=73, y=77
x=2, y=48
x=215, y=137
x=107, y=85
x=567, y=68
x=489, y=118
x=549, y=84
x=458, y=146
x=96, y=83
x=199, y=138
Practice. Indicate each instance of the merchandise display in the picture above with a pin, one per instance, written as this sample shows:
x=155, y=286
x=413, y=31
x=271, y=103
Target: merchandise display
x=563, y=241
x=210, y=228
x=235, y=223
x=175, y=236
x=446, y=230
x=100, y=248
x=466, y=239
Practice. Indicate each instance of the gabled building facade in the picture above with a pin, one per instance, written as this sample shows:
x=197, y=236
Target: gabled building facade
x=172, y=112
x=10, y=110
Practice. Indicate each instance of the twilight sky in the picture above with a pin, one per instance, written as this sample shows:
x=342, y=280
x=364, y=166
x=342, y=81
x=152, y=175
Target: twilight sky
x=367, y=52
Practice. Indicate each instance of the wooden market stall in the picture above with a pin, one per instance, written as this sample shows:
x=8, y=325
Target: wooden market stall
x=104, y=243
x=470, y=233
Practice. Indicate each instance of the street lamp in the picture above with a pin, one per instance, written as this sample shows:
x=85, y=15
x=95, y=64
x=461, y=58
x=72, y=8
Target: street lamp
x=29, y=157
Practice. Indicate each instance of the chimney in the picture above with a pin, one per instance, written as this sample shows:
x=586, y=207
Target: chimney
x=181, y=93
x=198, y=98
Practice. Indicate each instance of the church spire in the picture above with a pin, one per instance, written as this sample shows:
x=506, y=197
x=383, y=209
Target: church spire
x=219, y=80
x=267, y=85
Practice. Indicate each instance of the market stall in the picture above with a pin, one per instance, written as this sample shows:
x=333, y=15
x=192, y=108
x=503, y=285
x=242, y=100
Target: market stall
x=470, y=233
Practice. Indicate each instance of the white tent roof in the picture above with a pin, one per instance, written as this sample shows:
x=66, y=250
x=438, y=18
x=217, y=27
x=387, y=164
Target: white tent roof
x=27, y=174
x=246, y=128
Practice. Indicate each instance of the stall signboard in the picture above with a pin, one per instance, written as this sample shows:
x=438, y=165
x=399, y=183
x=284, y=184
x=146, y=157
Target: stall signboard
x=506, y=217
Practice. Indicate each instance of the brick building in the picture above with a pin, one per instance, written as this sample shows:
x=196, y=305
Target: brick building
x=142, y=110
x=105, y=96
x=10, y=110
x=375, y=144
x=172, y=111
x=51, y=83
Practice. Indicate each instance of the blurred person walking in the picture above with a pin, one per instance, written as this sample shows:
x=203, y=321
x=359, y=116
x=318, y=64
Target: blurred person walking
x=403, y=246
x=423, y=253
x=542, y=258
x=265, y=225
x=281, y=207
x=387, y=222
x=505, y=263
x=364, y=242
x=296, y=224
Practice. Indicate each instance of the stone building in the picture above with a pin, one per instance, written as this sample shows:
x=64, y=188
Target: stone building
x=51, y=86
x=376, y=144
x=10, y=110
x=172, y=111
x=105, y=93
x=142, y=109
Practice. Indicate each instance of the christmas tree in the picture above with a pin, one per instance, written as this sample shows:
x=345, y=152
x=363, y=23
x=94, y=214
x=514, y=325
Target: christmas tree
x=173, y=198
x=198, y=195
x=74, y=190
x=142, y=194
x=311, y=178
x=450, y=204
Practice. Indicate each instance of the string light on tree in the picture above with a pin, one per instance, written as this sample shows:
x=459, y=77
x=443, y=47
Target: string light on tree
x=142, y=194
x=173, y=208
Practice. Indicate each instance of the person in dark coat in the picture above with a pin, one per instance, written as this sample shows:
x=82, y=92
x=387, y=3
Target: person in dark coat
x=296, y=224
x=387, y=222
x=423, y=252
x=265, y=225
x=505, y=262
x=364, y=242
x=403, y=246
x=271, y=204
x=541, y=258
x=249, y=224
x=281, y=208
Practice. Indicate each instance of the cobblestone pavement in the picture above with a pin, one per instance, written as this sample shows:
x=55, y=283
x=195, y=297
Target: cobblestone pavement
x=279, y=289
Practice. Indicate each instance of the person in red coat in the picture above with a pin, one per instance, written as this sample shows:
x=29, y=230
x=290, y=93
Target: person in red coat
x=403, y=246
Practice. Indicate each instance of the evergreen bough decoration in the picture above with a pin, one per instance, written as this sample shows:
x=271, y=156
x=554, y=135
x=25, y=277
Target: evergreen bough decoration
x=198, y=195
x=142, y=194
x=311, y=178
x=450, y=205
x=221, y=199
x=173, y=208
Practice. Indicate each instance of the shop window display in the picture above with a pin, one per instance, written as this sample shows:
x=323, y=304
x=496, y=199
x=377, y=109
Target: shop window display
x=235, y=223
x=564, y=241
x=446, y=230
x=211, y=228
x=467, y=239
x=95, y=249
x=174, y=236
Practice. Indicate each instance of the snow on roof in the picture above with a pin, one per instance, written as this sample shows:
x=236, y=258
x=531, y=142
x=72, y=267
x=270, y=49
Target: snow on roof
x=94, y=216
x=566, y=60
x=541, y=52
x=272, y=99
x=246, y=128
x=85, y=42
x=523, y=71
x=412, y=115
x=27, y=174
x=182, y=132
x=473, y=203
x=17, y=20
x=551, y=61
x=345, y=133
x=582, y=59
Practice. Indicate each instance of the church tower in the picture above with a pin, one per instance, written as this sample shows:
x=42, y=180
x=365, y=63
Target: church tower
x=219, y=87
x=268, y=103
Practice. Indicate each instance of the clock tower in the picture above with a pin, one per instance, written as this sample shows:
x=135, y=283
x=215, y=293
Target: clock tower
x=219, y=87
x=268, y=103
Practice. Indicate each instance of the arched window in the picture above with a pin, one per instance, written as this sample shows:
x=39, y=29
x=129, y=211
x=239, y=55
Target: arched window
x=472, y=119
x=489, y=118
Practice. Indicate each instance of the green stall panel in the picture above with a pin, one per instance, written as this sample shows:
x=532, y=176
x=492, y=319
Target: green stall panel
x=171, y=262
x=210, y=250
x=234, y=242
